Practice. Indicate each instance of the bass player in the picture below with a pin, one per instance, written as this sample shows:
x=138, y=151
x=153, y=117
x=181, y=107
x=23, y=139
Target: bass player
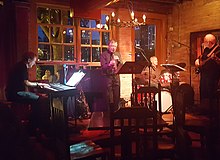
x=209, y=69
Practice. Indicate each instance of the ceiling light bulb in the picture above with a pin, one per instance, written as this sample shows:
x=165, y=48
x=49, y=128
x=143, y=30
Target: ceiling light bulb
x=113, y=14
x=107, y=18
x=132, y=15
x=144, y=18
x=71, y=12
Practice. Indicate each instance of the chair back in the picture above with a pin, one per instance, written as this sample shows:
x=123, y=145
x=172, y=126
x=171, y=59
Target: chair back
x=133, y=126
x=183, y=101
x=182, y=98
x=147, y=95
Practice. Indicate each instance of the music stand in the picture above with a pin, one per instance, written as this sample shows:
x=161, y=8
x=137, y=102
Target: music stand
x=131, y=68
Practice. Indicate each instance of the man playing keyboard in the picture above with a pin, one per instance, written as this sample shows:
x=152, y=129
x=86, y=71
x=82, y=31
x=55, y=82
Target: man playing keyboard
x=17, y=91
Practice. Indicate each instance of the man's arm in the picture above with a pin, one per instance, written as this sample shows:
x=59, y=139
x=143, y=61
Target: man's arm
x=34, y=84
x=105, y=64
x=30, y=84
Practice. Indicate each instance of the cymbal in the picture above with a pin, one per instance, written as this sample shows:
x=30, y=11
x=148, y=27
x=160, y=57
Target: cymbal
x=173, y=67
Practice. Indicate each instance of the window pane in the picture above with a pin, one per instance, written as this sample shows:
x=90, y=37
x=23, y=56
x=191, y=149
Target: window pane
x=42, y=33
x=85, y=54
x=67, y=20
x=96, y=54
x=55, y=16
x=85, y=37
x=95, y=37
x=94, y=23
x=45, y=72
x=105, y=25
x=105, y=38
x=52, y=73
x=56, y=52
x=43, y=15
x=55, y=34
x=43, y=52
x=68, y=34
x=145, y=38
x=68, y=53
x=85, y=23
x=151, y=37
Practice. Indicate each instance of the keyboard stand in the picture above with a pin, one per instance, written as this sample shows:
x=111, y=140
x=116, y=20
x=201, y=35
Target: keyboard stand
x=59, y=117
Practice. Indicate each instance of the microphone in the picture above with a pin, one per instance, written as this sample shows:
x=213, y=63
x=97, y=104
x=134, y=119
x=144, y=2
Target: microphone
x=65, y=70
x=142, y=52
x=138, y=48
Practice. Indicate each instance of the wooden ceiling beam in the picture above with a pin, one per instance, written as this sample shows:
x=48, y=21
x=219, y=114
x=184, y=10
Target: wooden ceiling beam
x=92, y=4
x=146, y=6
x=155, y=6
x=166, y=1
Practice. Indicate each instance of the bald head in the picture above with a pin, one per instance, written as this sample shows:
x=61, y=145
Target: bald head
x=154, y=61
x=209, y=40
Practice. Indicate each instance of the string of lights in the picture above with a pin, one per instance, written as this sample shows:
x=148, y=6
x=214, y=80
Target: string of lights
x=131, y=23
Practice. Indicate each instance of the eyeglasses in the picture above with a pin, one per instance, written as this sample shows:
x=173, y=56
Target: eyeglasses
x=112, y=45
x=208, y=42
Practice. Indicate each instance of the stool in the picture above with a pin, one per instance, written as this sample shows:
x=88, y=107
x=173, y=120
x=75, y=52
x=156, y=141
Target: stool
x=21, y=110
x=87, y=150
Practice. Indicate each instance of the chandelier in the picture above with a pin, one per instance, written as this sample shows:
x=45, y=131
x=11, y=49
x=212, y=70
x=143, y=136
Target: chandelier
x=133, y=22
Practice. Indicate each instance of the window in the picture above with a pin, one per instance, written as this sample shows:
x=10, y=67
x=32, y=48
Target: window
x=57, y=40
x=145, y=41
x=94, y=39
x=56, y=30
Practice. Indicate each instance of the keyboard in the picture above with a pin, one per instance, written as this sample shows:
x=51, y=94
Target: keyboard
x=59, y=87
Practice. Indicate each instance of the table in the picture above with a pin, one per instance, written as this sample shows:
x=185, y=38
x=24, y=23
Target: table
x=101, y=121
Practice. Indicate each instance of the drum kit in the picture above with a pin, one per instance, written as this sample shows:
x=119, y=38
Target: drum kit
x=168, y=79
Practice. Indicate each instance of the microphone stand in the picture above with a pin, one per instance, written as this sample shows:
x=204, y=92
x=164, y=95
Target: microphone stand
x=149, y=76
x=190, y=52
x=148, y=62
x=181, y=43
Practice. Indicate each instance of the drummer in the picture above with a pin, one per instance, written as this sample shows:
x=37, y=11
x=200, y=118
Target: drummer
x=154, y=74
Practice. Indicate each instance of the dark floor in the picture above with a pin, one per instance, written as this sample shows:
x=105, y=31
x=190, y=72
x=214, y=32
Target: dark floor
x=42, y=148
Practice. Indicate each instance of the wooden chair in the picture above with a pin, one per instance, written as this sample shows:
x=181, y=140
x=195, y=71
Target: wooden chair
x=130, y=131
x=148, y=97
x=194, y=123
x=183, y=101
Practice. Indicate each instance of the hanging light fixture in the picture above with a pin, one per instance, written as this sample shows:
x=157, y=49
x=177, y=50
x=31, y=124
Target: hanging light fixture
x=133, y=22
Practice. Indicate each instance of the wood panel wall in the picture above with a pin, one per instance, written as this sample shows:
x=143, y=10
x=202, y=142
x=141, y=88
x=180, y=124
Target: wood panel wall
x=191, y=16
